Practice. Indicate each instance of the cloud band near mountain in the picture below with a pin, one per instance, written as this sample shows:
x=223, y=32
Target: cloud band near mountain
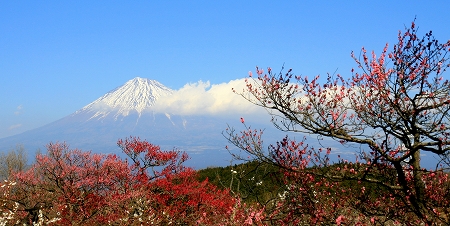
x=202, y=98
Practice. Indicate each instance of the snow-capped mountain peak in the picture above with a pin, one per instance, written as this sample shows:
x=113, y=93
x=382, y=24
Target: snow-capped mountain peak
x=136, y=95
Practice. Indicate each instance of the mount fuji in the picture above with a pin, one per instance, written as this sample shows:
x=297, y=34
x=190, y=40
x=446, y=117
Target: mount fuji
x=127, y=111
x=135, y=96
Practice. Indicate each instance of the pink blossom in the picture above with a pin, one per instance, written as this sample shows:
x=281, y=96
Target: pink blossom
x=339, y=220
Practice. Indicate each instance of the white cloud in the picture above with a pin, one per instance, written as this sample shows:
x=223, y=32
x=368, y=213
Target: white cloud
x=14, y=126
x=202, y=98
x=18, y=110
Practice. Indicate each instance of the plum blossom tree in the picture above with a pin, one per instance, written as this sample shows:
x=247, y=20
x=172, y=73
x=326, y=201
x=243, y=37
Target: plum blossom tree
x=72, y=186
x=394, y=108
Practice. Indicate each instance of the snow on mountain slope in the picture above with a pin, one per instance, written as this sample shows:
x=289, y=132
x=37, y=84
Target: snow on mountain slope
x=135, y=96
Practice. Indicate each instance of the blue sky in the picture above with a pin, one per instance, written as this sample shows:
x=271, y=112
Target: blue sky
x=58, y=56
